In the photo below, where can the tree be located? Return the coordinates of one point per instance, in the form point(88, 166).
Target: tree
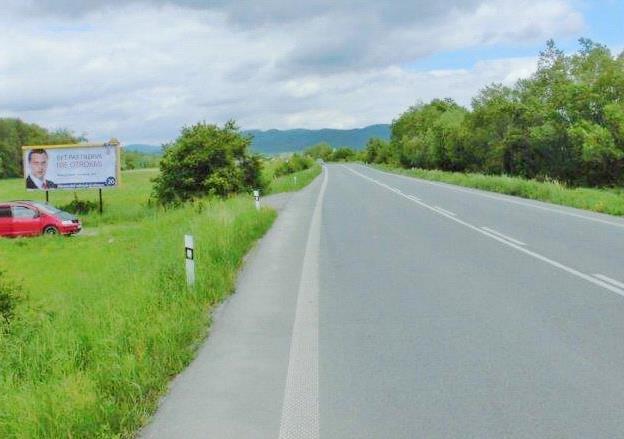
point(14, 134)
point(207, 160)
point(321, 151)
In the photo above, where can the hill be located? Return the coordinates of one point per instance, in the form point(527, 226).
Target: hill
point(144, 149)
point(279, 141)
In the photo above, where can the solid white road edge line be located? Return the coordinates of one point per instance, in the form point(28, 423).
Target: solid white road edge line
point(542, 258)
point(608, 279)
point(500, 198)
point(300, 409)
point(508, 238)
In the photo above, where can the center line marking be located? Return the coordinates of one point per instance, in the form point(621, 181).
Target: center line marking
point(501, 197)
point(572, 271)
point(448, 212)
point(608, 279)
point(508, 238)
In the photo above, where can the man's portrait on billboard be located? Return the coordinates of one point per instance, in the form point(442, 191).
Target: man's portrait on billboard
point(37, 169)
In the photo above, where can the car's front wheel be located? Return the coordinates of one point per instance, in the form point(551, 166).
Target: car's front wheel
point(50, 230)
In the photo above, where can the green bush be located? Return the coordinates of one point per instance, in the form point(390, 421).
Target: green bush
point(207, 160)
point(9, 296)
point(79, 207)
point(295, 163)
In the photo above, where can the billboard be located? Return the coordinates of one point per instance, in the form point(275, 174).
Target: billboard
point(83, 165)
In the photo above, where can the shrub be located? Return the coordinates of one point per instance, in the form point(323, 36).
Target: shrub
point(79, 207)
point(294, 164)
point(9, 296)
point(207, 160)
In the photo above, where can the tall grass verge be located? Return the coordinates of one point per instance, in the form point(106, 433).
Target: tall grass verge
point(292, 182)
point(610, 201)
point(108, 319)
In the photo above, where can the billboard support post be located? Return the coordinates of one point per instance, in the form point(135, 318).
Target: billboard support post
point(47, 197)
point(101, 208)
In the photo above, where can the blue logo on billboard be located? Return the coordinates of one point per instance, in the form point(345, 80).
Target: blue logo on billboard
point(110, 181)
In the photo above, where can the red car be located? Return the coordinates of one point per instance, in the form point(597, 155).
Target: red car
point(30, 218)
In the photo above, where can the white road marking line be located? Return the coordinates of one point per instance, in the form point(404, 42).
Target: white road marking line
point(533, 254)
point(414, 197)
point(448, 212)
point(500, 198)
point(300, 409)
point(608, 279)
point(508, 238)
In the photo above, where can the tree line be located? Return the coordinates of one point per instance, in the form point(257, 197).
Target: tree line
point(565, 122)
point(15, 133)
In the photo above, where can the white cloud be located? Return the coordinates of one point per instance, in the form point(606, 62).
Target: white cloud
point(141, 70)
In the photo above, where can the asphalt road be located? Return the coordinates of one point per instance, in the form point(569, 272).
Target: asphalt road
point(382, 306)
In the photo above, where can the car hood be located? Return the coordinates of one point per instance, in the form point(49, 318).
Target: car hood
point(66, 216)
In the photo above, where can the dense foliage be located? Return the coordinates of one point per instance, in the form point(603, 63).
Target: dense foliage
point(327, 153)
point(14, 134)
point(565, 122)
point(207, 160)
point(292, 164)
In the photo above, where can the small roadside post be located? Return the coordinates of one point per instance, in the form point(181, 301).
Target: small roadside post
point(295, 179)
point(189, 256)
point(256, 194)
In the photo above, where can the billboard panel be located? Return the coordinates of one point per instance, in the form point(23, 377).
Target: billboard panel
point(86, 165)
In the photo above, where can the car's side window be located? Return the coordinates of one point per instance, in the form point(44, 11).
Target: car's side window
point(5, 212)
point(23, 212)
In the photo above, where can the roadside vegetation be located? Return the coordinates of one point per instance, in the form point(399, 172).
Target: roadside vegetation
point(289, 173)
point(564, 123)
point(609, 201)
point(557, 136)
point(93, 327)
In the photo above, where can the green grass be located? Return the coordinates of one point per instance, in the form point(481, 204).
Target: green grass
point(107, 319)
point(610, 201)
point(292, 182)
point(130, 202)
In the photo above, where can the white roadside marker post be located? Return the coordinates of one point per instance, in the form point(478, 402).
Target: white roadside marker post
point(189, 256)
point(256, 194)
point(295, 179)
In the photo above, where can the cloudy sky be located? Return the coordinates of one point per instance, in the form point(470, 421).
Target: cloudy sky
point(139, 70)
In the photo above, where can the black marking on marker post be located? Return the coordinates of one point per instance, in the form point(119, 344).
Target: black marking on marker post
point(189, 253)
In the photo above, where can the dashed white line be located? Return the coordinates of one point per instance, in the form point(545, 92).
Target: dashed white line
point(508, 238)
point(448, 212)
point(608, 279)
point(587, 277)
point(501, 198)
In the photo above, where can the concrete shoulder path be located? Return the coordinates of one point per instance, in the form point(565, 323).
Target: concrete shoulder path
point(235, 386)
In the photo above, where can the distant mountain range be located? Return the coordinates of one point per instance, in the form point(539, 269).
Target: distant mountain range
point(280, 141)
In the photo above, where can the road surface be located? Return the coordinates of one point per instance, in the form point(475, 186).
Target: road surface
point(381, 306)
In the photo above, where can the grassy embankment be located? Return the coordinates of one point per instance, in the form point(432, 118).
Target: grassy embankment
point(290, 182)
point(106, 319)
point(609, 201)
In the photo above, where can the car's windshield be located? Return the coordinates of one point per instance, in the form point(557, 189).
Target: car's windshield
point(47, 208)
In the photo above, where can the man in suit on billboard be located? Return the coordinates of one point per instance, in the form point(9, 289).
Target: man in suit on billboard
point(38, 166)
